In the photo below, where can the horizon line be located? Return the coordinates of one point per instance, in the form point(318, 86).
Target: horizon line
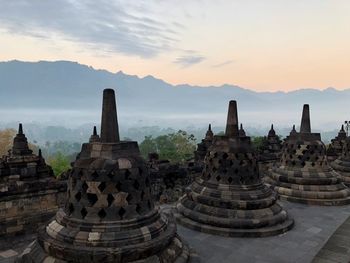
point(177, 85)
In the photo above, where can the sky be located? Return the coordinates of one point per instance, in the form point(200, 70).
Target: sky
point(264, 45)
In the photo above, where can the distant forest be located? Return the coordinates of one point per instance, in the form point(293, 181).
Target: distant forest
point(60, 145)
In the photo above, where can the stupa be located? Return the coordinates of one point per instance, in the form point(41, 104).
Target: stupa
point(303, 174)
point(229, 198)
point(109, 214)
point(336, 146)
point(342, 164)
point(241, 131)
point(29, 192)
point(203, 146)
point(270, 151)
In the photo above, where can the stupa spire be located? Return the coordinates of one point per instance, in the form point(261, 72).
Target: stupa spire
point(305, 126)
point(232, 120)
point(241, 131)
point(209, 134)
point(20, 129)
point(94, 137)
point(109, 122)
point(20, 143)
point(272, 131)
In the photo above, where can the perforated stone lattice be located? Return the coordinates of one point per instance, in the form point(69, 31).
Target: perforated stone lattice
point(119, 194)
point(346, 150)
point(304, 154)
point(230, 168)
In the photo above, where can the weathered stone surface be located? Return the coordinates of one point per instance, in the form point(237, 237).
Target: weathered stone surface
point(270, 152)
point(342, 164)
point(229, 198)
point(29, 193)
point(109, 215)
point(335, 149)
point(168, 180)
point(303, 174)
point(203, 147)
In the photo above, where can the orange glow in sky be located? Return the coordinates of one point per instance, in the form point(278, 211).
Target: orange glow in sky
point(261, 45)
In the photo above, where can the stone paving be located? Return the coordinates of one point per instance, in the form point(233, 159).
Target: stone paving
point(314, 225)
point(337, 248)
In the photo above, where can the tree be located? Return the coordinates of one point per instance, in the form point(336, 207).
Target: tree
point(148, 146)
point(6, 140)
point(258, 142)
point(175, 147)
point(59, 163)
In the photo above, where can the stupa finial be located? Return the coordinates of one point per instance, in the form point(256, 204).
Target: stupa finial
point(305, 126)
point(232, 120)
point(109, 123)
point(20, 129)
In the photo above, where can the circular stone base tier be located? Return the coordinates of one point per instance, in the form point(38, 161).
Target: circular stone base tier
point(34, 253)
point(234, 211)
point(229, 232)
point(151, 238)
point(309, 187)
point(342, 167)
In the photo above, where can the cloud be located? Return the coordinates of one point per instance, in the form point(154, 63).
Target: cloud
point(113, 26)
point(228, 62)
point(189, 60)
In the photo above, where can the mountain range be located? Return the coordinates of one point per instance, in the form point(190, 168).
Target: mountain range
point(72, 91)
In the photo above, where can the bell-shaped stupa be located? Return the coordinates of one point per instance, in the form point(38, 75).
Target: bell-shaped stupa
point(203, 146)
point(303, 174)
point(109, 214)
point(229, 198)
point(270, 150)
point(342, 164)
point(335, 148)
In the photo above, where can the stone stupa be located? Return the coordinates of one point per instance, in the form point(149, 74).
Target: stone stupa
point(270, 151)
point(29, 192)
point(109, 214)
point(203, 146)
point(342, 164)
point(303, 174)
point(335, 148)
point(229, 198)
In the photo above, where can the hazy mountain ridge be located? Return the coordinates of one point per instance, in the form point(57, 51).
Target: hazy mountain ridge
point(65, 85)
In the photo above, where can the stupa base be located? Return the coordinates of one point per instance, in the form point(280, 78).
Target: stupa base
point(235, 232)
point(321, 202)
point(323, 189)
point(35, 253)
point(343, 169)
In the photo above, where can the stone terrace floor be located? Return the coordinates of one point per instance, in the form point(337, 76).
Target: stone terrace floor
point(314, 225)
